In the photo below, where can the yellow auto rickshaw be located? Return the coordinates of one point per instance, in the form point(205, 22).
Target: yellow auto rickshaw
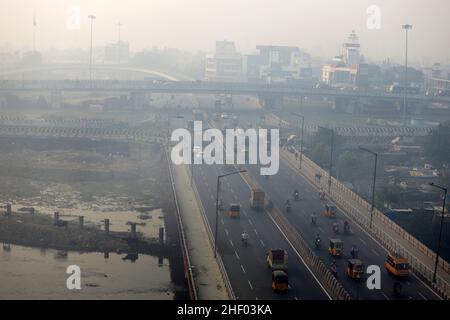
point(235, 210)
point(355, 269)
point(330, 211)
point(280, 281)
point(397, 265)
point(336, 247)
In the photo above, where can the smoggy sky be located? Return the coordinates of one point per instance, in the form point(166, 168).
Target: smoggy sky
point(319, 26)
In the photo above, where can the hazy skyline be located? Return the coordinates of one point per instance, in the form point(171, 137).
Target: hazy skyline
point(318, 26)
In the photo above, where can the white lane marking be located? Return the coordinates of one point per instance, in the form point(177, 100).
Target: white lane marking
point(260, 240)
point(232, 244)
point(244, 212)
point(363, 241)
point(221, 220)
point(423, 297)
point(374, 252)
point(250, 284)
point(232, 191)
point(250, 221)
point(237, 256)
point(226, 231)
point(212, 198)
point(256, 232)
point(320, 229)
point(387, 298)
point(235, 197)
point(242, 267)
point(301, 258)
point(296, 298)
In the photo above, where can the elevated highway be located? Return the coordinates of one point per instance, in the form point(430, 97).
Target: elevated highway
point(264, 91)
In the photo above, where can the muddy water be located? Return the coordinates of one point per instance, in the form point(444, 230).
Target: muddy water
point(29, 273)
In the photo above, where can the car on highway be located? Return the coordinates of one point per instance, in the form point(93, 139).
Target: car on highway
point(235, 210)
point(397, 265)
point(280, 281)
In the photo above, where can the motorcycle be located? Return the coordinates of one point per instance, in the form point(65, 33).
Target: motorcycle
point(244, 239)
point(287, 206)
point(318, 244)
point(346, 227)
point(335, 228)
point(313, 219)
point(296, 196)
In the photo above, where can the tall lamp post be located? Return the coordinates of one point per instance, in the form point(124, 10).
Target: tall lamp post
point(217, 205)
point(405, 27)
point(119, 26)
point(92, 18)
point(440, 228)
point(330, 170)
point(373, 183)
point(301, 141)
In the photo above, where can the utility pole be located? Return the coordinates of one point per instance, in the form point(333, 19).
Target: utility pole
point(301, 132)
point(330, 170)
point(92, 18)
point(373, 183)
point(405, 27)
point(119, 26)
point(331, 162)
point(440, 229)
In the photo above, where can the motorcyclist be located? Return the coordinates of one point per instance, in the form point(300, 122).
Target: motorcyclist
point(346, 226)
point(321, 193)
point(397, 288)
point(354, 252)
point(244, 237)
point(318, 241)
point(335, 227)
point(296, 194)
point(313, 218)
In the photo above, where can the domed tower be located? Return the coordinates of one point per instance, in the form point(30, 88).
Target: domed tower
point(351, 50)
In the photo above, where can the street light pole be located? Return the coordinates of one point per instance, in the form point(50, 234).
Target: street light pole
point(301, 140)
point(440, 229)
point(373, 183)
point(405, 27)
point(217, 206)
point(330, 170)
point(119, 26)
point(92, 18)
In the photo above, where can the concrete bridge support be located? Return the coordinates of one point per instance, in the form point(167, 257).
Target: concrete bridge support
point(269, 101)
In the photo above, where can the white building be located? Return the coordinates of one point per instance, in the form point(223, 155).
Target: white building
point(225, 64)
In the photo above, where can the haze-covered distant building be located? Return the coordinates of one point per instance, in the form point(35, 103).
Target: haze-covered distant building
point(278, 64)
point(225, 64)
point(118, 52)
point(347, 69)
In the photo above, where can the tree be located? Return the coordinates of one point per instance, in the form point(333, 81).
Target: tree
point(437, 145)
point(352, 164)
point(320, 154)
point(388, 194)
